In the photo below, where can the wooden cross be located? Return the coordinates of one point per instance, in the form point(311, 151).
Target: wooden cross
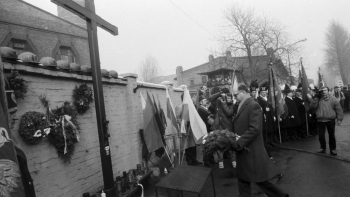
point(92, 21)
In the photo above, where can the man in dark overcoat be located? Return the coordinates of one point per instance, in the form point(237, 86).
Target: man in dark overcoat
point(292, 113)
point(253, 163)
point(299, 102)
point(268, 116)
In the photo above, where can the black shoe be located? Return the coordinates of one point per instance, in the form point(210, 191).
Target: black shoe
point(321, 151)
point(207, 164)
point(333, 152)
point(196, 163)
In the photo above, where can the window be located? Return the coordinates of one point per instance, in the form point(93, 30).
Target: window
point(192, 82)
point(19, 46)
point(204, 79)
point(66, 53)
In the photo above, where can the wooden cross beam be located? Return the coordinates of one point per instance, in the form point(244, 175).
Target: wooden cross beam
point(87, 14)
point(92, 21)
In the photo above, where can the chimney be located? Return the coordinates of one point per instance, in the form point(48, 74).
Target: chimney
point(72, 17)
point(211, 58)
point(228, 54)
point(179, 69)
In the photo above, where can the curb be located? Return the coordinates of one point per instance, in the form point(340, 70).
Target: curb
point(314, 153)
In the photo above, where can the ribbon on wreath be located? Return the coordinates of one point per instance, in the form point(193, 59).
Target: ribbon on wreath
point(64, 136)
point(68, 118)
point(75, 130)
point(141, 189)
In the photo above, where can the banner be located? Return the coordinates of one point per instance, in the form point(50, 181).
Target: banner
point(10, 175)
point(275, 94)
point(151, 131)
point(189, 113)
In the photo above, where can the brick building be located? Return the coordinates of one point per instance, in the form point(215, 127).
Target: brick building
point(225, 65)
point(25, 27)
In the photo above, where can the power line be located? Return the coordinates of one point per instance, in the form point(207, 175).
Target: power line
point(190, 17)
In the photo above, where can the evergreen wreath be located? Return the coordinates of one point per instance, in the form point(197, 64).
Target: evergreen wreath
point(64, 128)
point(17, 84)
point(66, 139)
point(218, 140)
point(83, 96)
point(33, 127)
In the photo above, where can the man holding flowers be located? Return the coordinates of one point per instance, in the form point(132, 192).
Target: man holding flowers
point(253, 162)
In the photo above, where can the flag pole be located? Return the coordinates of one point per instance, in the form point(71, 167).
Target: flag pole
point(303, 72)
point(274, 95)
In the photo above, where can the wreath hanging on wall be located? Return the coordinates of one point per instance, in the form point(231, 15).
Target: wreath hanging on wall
point(64, 126)
point(33, 127)
point(17, 84)
point(82, 98)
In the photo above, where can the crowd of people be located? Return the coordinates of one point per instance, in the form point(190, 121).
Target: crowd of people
point(250, 114)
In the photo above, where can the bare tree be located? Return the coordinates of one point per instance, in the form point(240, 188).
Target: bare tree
point(246, 33)
point(239, 32)
point(337, 50)
point(148, 69)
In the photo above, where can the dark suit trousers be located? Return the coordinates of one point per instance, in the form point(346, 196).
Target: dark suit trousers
point(321, 128)
point(268, 188)
point(191, 155)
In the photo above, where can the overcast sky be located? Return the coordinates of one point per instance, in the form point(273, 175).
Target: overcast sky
point(183, 32)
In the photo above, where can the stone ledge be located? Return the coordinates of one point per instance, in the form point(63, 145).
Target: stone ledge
point(59, 73)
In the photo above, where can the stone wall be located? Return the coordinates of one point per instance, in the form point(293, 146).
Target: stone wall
point(53, 177)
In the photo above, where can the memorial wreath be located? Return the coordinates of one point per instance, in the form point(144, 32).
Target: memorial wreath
point(33, 127)
point(82, 98)
point(17, 84)
point(218, 140)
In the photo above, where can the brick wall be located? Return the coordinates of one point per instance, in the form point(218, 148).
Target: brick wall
point(51, 176)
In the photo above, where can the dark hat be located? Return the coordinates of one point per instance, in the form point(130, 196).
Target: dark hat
point(264, 86)
point(286, 89)
point(201, 98)
point(345, 88)
point(297, 90)
point(254, 86)
point(336, 87)
point(300, 85)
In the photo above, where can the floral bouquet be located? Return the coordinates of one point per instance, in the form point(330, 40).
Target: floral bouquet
point(219, 140)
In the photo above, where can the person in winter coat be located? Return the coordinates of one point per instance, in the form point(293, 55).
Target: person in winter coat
point(253, 162)
point(328, 110)
point(292, 113)
point(299, 102)
point(339, 95)
point(311, 115)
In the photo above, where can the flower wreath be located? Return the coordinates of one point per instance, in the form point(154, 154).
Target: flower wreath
point(33, 127)
point(64, 128)
point(17, 84)
point(82, 98)
point(218, 140)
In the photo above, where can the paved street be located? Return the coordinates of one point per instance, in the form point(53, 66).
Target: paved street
point(305, 172)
